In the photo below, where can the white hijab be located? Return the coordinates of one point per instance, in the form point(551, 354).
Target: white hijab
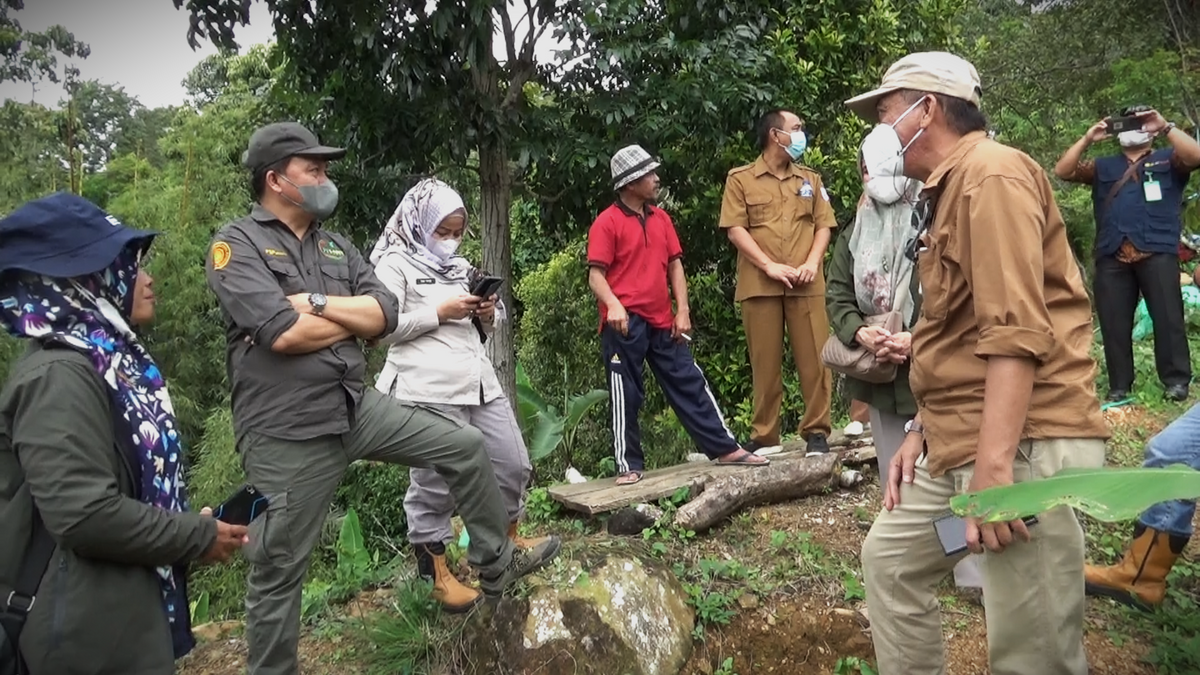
point(882, 273)
point(410, 229)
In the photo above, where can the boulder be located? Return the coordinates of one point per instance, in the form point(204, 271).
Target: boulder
point(613, 616)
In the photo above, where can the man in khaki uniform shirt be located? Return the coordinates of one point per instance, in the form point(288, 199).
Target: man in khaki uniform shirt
point(1004, 383)
point(777, 213)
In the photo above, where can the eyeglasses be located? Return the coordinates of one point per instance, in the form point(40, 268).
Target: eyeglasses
point(922, 220)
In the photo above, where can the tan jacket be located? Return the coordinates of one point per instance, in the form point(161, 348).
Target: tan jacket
point(429, 362)
point(999, 279)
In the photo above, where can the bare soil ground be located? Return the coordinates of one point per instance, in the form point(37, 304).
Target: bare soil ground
point(797, 628)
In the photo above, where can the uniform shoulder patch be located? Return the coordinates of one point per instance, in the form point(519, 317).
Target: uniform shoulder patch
point(221, 253)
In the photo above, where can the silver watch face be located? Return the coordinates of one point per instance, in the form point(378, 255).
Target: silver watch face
point(317, 300)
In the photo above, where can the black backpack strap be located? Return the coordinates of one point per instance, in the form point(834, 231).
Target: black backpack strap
point(21, 599)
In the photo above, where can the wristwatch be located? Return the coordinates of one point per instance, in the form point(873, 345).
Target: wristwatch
point(912, 427)
point(1167, 129)
point(318, 302)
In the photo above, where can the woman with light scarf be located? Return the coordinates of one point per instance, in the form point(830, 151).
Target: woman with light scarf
point(90, 451)
point(437, 358)
point(870, 274)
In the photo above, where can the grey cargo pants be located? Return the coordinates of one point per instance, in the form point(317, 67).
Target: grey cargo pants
point(300, 478)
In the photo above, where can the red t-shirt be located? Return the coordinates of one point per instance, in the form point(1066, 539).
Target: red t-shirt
point(634, 249)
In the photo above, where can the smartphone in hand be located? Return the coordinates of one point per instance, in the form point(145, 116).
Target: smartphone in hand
point(952, 532)
point(242, 507)
point(485, 286)
point(1116, 125)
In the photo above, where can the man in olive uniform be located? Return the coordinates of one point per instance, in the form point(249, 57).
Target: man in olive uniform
point(296, 300)
point(777, 213)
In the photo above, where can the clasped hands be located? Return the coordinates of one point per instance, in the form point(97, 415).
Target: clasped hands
point(888, 347)
point(791, 276)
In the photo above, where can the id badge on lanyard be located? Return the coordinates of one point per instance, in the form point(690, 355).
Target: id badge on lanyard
point(1152, 189)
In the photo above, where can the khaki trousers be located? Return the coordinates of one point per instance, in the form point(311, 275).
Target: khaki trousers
point(1033, 591)
point(764, 319)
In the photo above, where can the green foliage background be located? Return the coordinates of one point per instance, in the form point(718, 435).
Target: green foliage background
point(686, 80)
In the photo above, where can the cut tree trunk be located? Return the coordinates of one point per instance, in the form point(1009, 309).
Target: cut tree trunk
point(781, 481)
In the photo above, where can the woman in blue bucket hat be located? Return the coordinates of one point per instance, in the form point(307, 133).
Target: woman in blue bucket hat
point(94, 517)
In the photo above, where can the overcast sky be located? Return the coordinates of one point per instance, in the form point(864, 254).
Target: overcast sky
point(138, 44)
point(142, 46)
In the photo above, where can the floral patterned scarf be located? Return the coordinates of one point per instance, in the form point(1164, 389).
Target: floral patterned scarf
point(87, 314)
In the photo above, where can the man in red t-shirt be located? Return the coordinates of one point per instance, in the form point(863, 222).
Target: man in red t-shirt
point(632, 252)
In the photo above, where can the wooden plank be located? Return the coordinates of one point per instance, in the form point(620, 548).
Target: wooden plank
point(603, 494)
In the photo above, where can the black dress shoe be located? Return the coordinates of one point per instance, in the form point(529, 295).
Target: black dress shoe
point(817, 443)
point(1115, 395)
point(1177, 392)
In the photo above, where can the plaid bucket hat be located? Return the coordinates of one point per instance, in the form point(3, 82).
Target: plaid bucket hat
point(629, 164)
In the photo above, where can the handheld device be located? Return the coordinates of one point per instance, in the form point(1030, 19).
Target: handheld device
point(952, 532)
point(485, 286)
point(1116, 125)
point(242, 507)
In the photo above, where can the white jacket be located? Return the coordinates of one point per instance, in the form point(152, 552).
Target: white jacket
point(429, 362)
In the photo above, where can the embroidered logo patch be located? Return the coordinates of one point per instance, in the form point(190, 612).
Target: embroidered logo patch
point(806, 190)
point(221, 255)
point(615, 360)
point(276, 253)
point(824, 194)
point(331, 250)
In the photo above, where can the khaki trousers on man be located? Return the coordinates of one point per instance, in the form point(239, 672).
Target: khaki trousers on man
point(300, 479)
point(1033, 591)
point(764, 319)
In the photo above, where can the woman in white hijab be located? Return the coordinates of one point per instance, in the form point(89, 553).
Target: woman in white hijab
point(869, 274)
point(436, 358)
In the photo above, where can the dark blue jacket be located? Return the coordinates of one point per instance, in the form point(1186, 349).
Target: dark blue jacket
point(1152, 227)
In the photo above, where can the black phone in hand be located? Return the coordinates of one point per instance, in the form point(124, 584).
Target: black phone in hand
point(1117, 125)
point(242, 507)
point(486, 286)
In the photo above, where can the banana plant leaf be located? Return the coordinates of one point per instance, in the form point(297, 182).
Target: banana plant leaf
point(580, 405)
point(547, 433)
point(1107, 494)
point(529, 403)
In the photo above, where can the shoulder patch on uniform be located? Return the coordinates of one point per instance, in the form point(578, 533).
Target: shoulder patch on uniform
point(739, 169)
point(824, 193)
point(221, 254)
point(331, 250)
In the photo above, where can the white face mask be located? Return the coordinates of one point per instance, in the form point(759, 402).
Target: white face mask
point(1132, 139)
point(882, 151)
point(887, 190)
point(444, 249)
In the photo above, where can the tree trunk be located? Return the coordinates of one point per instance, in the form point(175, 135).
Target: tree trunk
point(743, 487)
point(495, 206)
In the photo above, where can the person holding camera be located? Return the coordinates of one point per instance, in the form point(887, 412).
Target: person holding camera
point(633, 253)
point(94, 515)
point(436, 359)
point(1137, 200)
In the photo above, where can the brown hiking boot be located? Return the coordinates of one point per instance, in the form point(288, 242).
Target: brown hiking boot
point(431, 566)
point(1140, 579)
point(523, 543)
point(523, 562)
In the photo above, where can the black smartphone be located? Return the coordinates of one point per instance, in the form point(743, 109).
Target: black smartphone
point(242, 507)
point(1116, 125)
point(952, 532)
point(485, 286)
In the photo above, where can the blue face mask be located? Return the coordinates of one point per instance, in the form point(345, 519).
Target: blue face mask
point(798, 145)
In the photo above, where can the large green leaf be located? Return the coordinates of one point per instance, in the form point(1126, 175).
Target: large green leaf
point(1108, 494)
point(579, 406)
point(546, 437)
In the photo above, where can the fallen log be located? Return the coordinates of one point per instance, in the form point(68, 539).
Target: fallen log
point(784, 479)
point(858, 456)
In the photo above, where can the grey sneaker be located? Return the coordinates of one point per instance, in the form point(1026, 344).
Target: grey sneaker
point(523, 562)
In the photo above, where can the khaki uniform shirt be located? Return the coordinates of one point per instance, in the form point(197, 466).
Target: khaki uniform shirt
point(782, 214)
point(999, 279)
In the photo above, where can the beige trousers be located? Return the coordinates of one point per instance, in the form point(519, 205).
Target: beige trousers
point(1034, 590)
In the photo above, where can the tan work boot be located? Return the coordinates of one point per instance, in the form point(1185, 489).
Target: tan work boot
point(431, 566)
point(523, 543)
point(1140, 579)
